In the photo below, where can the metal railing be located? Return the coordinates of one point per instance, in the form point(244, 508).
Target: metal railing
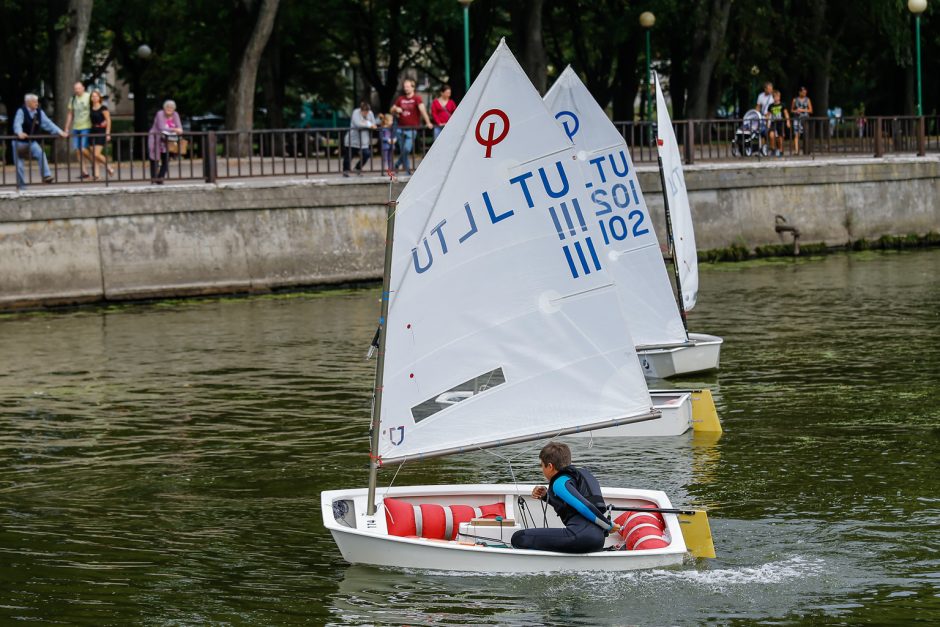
point(217, 155)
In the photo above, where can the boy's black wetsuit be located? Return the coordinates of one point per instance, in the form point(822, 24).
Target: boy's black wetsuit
point(575, 495)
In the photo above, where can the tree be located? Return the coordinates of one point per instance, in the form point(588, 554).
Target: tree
point(240, 104)
point(711, 16)
point(530, 50)
point(71, 38)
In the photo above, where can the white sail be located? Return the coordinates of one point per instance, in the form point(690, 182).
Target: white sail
point(619, 207)
point(683, 232)
point(503, 322)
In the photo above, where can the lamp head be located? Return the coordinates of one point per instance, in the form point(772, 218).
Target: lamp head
point(916, 6)
point(647, 19)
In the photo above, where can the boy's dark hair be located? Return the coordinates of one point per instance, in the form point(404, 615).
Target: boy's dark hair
point(557, 454)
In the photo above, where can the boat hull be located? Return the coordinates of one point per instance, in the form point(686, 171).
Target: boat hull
point(364, 539)
point(702, 354)
point(676, 419)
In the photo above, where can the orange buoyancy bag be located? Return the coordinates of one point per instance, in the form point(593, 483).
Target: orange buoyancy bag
point(643, 530)
point(432, 521)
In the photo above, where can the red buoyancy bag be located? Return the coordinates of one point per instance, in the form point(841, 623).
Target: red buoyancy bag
point(643, 530)
point(432, 521)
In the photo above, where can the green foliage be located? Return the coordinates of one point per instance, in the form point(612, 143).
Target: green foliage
point(861, 53)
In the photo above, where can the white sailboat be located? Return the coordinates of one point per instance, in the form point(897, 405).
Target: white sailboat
point(656, 318)
point(705, 352)
point(494, 285)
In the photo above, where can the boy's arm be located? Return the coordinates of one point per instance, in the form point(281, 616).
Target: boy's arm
point(564, 488)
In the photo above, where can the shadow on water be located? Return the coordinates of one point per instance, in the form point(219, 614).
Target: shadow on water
point(162, 463)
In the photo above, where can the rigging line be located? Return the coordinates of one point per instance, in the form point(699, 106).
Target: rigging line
point(392, 482)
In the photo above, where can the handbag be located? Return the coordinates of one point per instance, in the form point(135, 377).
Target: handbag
point(179, 147)
point(23, 149)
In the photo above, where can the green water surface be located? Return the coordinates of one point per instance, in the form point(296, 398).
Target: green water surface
point(162, 464)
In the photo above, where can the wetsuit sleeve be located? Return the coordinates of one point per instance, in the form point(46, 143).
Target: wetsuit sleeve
point(564, 488)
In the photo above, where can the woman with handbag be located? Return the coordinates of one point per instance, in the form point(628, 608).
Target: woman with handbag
point(166, 129)
point(100, 133)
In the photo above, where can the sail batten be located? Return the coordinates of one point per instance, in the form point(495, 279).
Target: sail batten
point(502, 324)
point(628, 236)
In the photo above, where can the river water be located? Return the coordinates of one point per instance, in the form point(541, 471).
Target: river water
point(162, 463)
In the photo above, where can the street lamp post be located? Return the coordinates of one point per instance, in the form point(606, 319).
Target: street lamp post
point(466, 39)
point(917, 7)
point(647, 20)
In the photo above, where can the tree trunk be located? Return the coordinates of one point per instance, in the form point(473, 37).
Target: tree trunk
point(240, 103)
point(70, 50)
point(708, 45)
point(821, 68)
point(626, 82)
point(527, 22)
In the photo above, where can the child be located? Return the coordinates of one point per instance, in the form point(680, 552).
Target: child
point(575, 495)
point(388, 139)
point(779, 123)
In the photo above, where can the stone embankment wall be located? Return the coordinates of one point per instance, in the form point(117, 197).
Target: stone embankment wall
point(67, 246)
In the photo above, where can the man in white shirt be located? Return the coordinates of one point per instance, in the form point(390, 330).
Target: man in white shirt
point(765, 98)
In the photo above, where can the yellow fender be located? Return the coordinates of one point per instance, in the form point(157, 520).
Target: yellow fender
point(704, 414)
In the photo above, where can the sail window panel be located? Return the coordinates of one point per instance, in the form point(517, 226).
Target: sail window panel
point(471, 387)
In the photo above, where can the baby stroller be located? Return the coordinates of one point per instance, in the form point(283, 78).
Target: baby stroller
point(749, 138)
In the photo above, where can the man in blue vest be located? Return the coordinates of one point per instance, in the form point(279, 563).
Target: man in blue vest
point(27, 124)
point(575, 495)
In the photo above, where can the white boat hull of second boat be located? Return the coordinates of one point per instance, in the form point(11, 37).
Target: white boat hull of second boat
point(701, 355)
point(676, 419)
point(364, 539)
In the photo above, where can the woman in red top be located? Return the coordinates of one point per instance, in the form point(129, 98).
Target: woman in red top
point(441, 109)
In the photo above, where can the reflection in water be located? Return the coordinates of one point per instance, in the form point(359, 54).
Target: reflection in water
point(165, 461)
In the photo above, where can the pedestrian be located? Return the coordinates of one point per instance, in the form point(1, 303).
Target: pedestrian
point(359, 137)
point(166, 128)
point(802, 108)
point(388, 139)
point(100, 133)
point(27, 124)
point(441, 109)
point(779, 119)
point(78, 121)
point(765, 98)
point(410, 110)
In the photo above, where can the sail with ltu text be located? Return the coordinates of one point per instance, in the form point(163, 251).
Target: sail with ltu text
point(683, 232)
point(617, 205)
point(503, 321)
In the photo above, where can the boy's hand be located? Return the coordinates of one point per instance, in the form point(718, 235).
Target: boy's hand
point(539, 491)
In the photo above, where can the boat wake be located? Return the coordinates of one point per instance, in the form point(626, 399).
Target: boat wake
point(718, 579)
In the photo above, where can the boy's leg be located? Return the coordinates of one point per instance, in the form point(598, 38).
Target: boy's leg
point(577, 537)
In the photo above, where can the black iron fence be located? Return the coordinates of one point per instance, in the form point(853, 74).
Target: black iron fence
point(212, 156)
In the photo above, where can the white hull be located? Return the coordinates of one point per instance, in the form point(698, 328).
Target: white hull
point(364, 539)
point(702, 354)
point(676, 408)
